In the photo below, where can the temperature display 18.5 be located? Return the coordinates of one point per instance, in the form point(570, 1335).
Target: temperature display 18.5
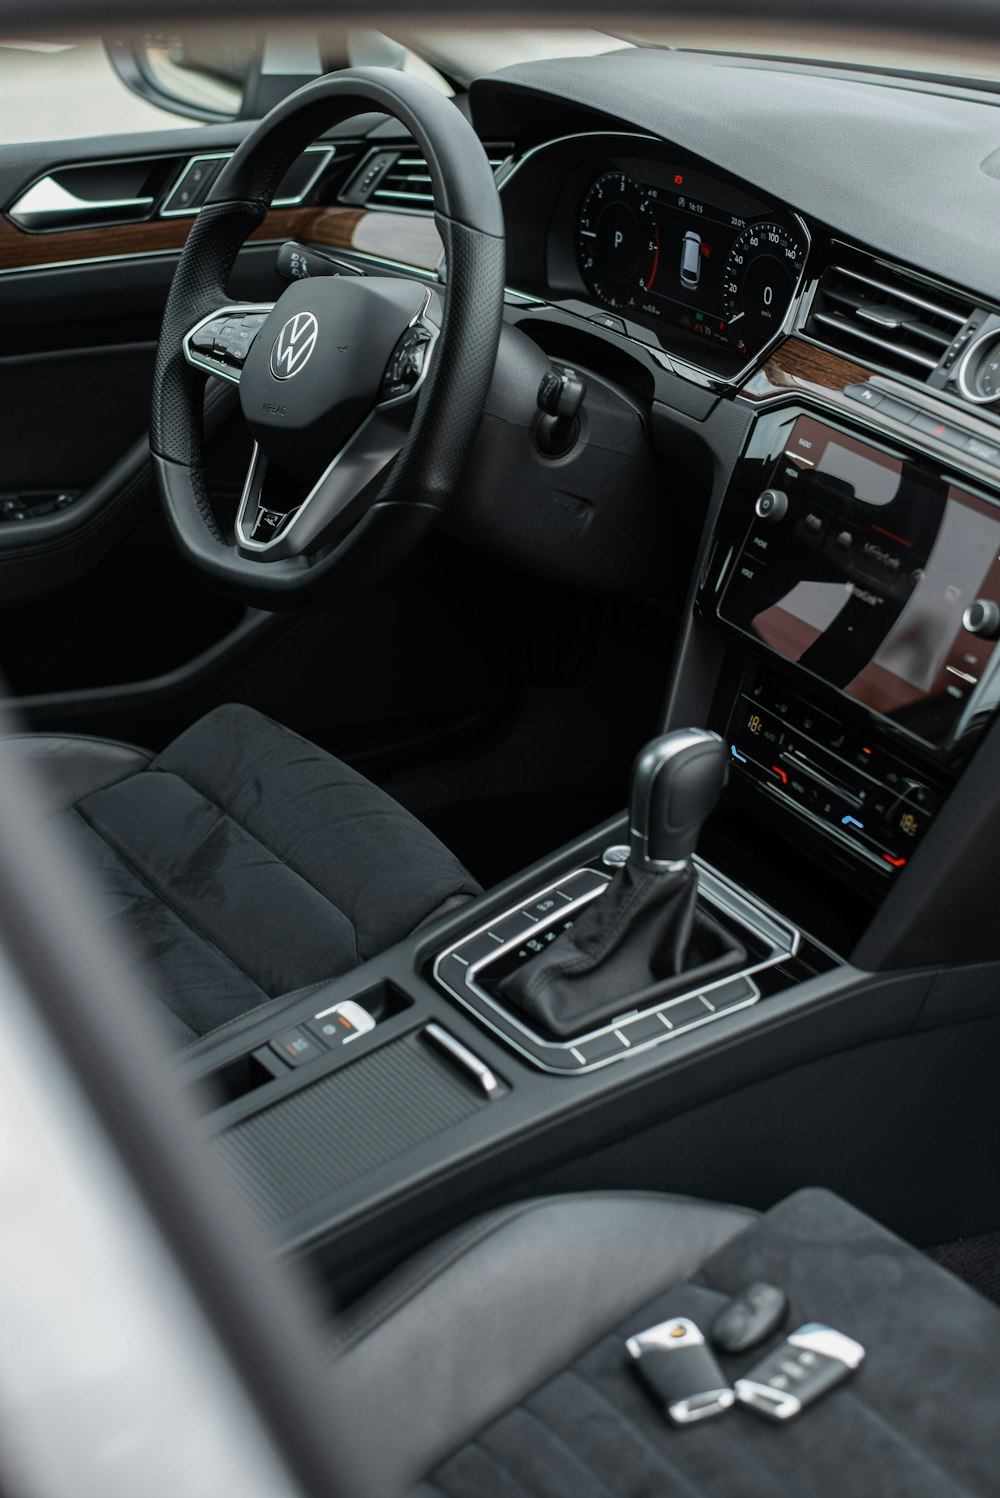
point(658, 253)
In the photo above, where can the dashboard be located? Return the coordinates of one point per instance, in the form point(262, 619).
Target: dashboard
point(853, 569)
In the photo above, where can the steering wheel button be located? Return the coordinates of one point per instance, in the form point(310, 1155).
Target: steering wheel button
point(269, 523)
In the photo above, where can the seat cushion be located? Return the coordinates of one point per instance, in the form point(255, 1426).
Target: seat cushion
point(66, 767)
point(243, 862)
point(472, 1325)
point(528, 1315)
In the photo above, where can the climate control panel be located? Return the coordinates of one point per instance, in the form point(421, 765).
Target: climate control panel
point(831, 773)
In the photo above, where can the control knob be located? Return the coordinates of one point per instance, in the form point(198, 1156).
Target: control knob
point(772, 506)
point(982, 618)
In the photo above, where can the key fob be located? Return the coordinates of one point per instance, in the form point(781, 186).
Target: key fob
point(750, 1317)
point(807, 1365)
point(680, 1371)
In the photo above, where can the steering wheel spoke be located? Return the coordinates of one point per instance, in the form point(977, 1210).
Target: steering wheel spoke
point(219, 343)
point(275, 522)
point(271, 526)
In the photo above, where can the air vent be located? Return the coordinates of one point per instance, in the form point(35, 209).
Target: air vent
point(872, 311)
point(407, 182)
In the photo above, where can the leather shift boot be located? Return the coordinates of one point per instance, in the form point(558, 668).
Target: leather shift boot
point(643, 933)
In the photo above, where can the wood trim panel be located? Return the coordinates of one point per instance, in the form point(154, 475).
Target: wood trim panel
point(402, 237)
point(800, 367)
point(392, 236)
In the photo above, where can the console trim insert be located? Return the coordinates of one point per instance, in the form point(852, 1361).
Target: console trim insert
point(457, 975)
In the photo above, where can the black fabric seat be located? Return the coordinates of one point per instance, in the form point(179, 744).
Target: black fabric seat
point(242, 862)
point(494, 1364)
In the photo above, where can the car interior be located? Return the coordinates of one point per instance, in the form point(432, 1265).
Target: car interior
point(502, 591)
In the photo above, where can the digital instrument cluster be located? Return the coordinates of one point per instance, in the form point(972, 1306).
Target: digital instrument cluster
point(691, 252)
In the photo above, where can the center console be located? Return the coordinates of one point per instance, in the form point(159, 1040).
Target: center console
point(850, 598)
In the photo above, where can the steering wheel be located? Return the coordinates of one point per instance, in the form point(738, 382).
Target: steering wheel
point(362, 393)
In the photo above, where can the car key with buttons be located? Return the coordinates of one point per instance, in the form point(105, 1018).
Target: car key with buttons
point(807, 1365)
point(680, 1371)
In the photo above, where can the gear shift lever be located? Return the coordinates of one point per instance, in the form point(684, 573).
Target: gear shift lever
point(638, 935)
point(676, 781)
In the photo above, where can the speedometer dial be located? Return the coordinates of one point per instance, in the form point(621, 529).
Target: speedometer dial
point(761, 275)
point(617, 240)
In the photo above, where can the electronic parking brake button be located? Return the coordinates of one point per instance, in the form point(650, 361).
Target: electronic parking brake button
point(341, 1023)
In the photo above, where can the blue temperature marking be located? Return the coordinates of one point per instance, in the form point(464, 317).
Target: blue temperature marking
point(852, 822)
point(737, 755)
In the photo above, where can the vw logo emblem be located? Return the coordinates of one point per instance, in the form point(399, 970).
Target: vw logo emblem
point(294, 345)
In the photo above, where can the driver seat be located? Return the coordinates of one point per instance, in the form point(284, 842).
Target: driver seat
point(242, 862)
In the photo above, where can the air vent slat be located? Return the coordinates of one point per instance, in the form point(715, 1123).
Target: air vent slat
point(407, 183)
point(396, 192)
point(902, 294)
point(832, 320)
point(863, 305)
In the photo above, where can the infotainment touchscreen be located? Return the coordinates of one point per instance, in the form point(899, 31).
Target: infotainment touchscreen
point(865, 576)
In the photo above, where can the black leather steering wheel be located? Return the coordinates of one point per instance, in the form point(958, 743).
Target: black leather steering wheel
point(362, 393)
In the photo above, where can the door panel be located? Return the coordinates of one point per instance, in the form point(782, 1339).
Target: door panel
point(70, 414)
point(103, 628)
point(89, 579)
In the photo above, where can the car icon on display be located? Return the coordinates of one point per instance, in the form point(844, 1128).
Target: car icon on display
point(691, 260)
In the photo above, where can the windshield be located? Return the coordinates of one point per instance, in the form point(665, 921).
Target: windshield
point(908, 52)
point(466, 54)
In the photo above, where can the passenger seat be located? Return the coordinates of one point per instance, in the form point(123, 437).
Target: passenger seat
point(494, 1364)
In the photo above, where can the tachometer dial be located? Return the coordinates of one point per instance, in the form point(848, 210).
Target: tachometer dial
point(761, 275)
point(618, 241)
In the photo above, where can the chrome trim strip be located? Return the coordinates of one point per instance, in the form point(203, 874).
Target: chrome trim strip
point(327, 152)
point(192, 161)
point(843, 270)
point(892, 268)
point(843, 324)
point(778, 1404)
point(962, 379)
point(783, 939)
point(46, 198)
point(484, 1079)
point(198, 360)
